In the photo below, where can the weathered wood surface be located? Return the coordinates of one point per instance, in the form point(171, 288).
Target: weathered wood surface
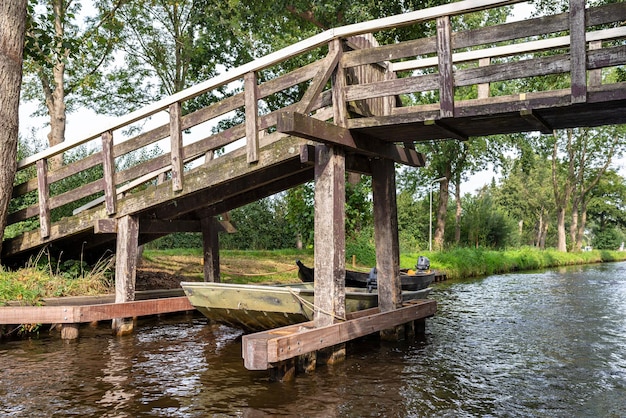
point(314, 129)
point(262, 350)
point(89, 313)
point(329, 284)
point(364, 83)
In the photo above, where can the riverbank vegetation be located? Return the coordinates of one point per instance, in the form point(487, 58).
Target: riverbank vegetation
point(44, 279)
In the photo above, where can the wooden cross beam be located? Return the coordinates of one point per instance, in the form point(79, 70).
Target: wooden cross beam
point(263, 349)
point(297, 124)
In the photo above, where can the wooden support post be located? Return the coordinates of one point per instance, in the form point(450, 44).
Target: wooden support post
point(386, 240)
point(578, 50)
point(330, 249)
point(69, 331)
point(285, 371)
point(176, 140)
point(483, 89)
point(108, 168)
point(43, 188)
point(252, 116)
point(125, 268)
point(446, 75)
point(211, 250)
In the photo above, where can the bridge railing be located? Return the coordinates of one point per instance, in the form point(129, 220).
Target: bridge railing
point(440, 53)
point(579, 44)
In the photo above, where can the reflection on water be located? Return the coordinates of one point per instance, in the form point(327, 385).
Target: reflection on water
point(538, 344)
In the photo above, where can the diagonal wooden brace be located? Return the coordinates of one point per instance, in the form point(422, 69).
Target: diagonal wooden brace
point(297, 124)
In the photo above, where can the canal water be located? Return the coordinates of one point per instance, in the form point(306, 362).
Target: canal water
point(546, 344)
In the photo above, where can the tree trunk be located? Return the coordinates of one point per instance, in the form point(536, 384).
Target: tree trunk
point(543, 234)
point(441, 214)
point(12, 27)
point(562, 188)
point(55, 93)
point(581, 228)
point(573, 228)
point(457, 217)
point(561, 241)
point(539, 229)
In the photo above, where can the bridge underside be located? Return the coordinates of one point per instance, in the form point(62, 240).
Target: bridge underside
point(504, 115)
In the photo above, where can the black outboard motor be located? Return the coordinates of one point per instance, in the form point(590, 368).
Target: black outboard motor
point(372, 283)
point(423, 263)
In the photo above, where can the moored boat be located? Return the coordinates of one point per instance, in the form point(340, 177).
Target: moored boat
point(411, 279)
point(260, 307)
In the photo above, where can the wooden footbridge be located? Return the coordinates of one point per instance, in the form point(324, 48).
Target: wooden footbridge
point(362, 108)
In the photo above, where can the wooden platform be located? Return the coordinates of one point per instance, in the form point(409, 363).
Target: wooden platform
point(75, 314)
point(263, 350)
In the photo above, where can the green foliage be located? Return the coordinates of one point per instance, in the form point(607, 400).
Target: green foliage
point(47, 277)
point(608, 239)
point(260, 226)
point(299, 212)
point(412, 222)
point(55, 37)
point(485, 225)
point(362, 246)
point(358, 206)
point(181, 240)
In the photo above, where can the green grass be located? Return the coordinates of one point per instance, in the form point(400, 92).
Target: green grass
point(466, 262)
point(236, 266)
point(32, 283)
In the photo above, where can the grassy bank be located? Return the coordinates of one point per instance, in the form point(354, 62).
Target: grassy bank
point(276, 266)
point(465, 262)
point(34, 283)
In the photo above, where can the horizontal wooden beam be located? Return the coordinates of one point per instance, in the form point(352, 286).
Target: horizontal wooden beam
point(90, 313)
point(453, 133)
point(261, 350)
point(536, 121)
point(158, 226)
point(354, 163)
point(310, 128)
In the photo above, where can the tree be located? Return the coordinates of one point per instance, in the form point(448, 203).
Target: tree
point(12, 29)
point(580, 157)
point(64, 59)
point(484, 224)
point(526, 194)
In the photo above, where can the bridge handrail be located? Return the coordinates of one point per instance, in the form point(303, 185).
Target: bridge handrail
point(308, 44)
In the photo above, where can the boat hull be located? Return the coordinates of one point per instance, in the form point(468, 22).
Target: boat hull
point(416, 281)
point(258, 307)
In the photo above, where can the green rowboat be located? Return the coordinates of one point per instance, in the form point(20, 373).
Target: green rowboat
point(259, 307)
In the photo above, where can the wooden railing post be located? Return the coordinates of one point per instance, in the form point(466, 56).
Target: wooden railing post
point(108, 167)
point(483, 89)
point(252, 116)
point(43, 188)
point(446, 76)
point(176, 139)
point(595, 76)
point(578, 50)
